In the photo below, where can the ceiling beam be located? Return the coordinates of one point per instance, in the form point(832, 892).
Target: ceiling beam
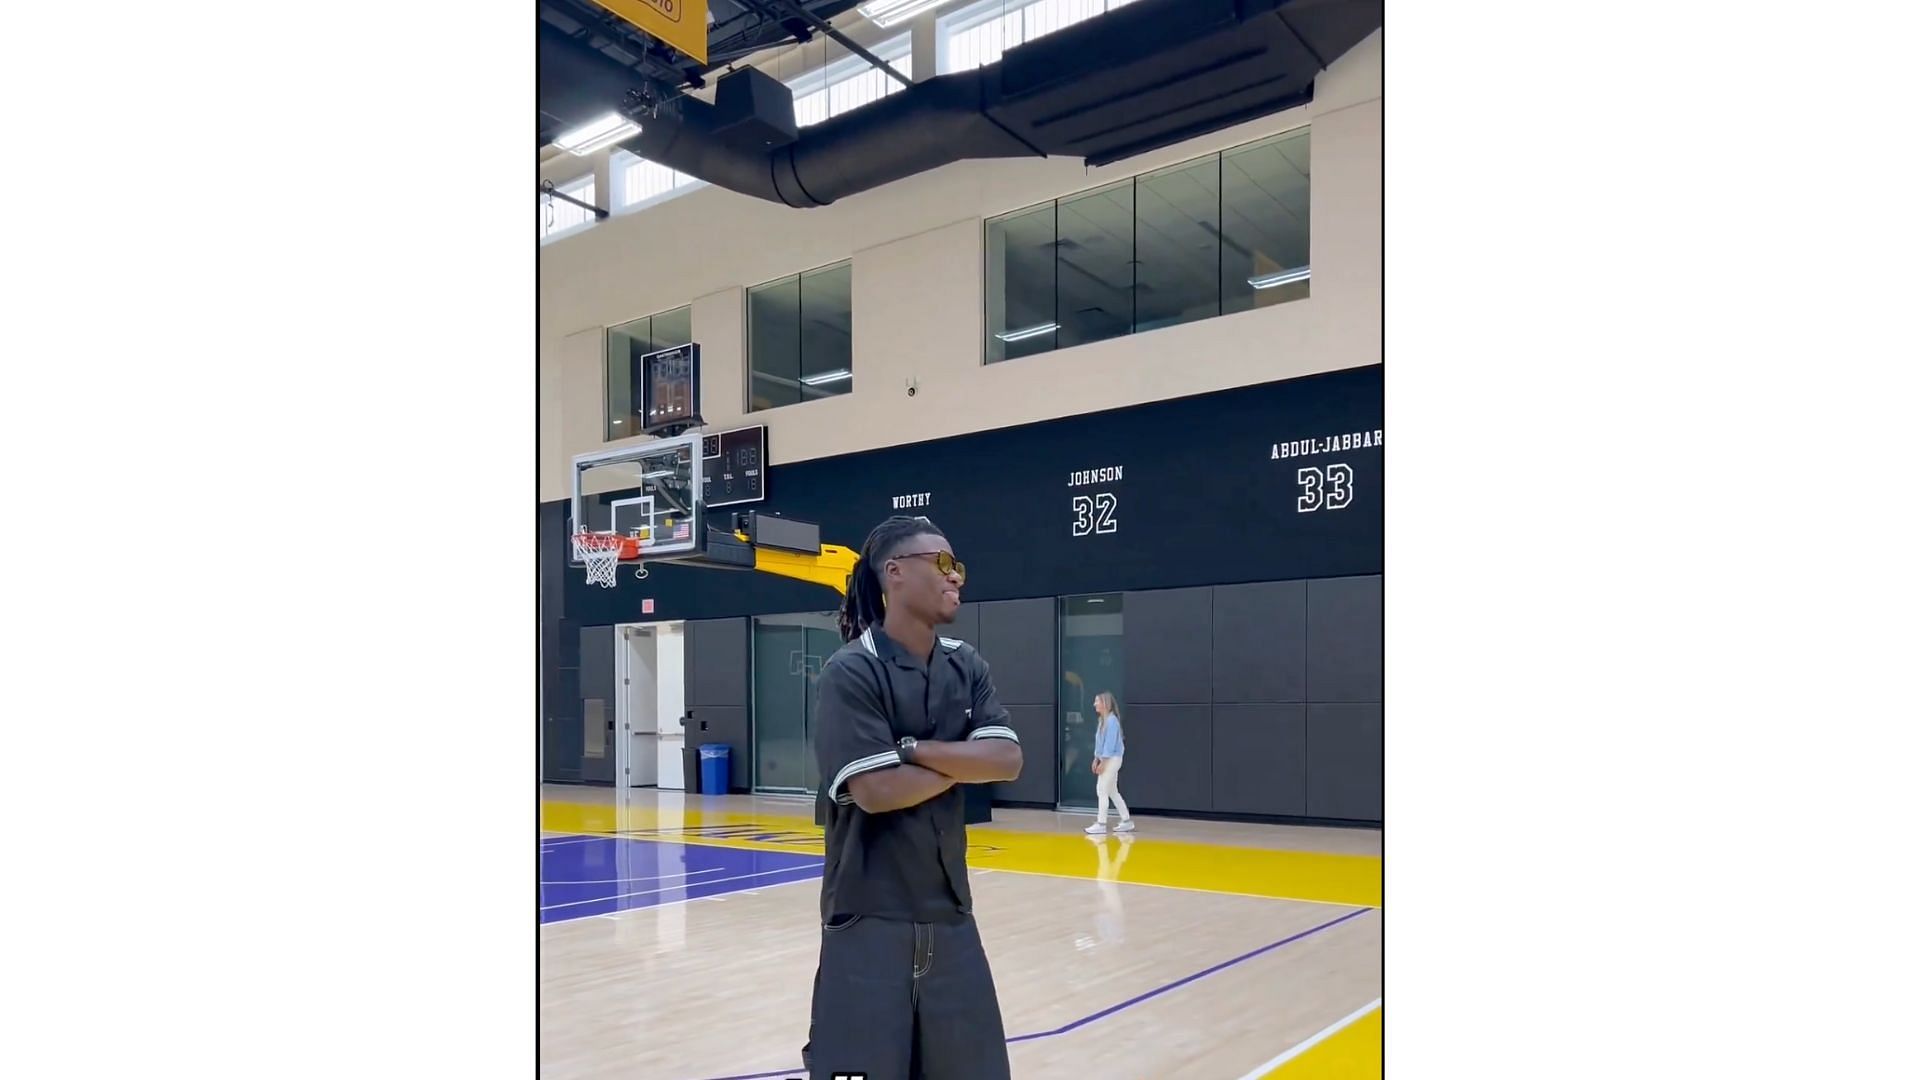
point(826, 28)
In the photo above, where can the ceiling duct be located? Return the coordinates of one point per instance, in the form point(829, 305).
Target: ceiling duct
point(1147, 75)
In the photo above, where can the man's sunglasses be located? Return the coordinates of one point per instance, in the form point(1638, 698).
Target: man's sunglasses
point(943, 561)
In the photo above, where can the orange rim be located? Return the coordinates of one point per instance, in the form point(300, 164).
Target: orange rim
point(629, 546)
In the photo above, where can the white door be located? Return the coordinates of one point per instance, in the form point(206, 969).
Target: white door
point(639, 707)
point(670, 673)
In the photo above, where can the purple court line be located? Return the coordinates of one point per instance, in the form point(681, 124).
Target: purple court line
point(785, 1074)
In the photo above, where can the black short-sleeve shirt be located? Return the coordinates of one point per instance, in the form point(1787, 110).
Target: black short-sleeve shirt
point(908, 864)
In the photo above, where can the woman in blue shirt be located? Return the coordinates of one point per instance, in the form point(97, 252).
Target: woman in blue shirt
point(1109, 746)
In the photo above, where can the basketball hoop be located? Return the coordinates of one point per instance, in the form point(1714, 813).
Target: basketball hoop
point(602, 553)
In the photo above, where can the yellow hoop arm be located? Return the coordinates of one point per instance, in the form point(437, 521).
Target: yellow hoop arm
point(829, 568)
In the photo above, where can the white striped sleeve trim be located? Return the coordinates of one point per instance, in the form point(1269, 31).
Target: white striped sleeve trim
point(855, 768)
point(992, 731)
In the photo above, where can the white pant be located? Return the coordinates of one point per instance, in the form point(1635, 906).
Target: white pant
point(1108, 788)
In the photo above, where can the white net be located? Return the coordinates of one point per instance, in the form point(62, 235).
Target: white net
point(601, 554)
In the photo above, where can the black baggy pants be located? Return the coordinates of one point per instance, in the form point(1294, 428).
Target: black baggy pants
point(899, 1000)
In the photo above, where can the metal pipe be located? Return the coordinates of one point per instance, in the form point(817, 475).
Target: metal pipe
point(547, 188)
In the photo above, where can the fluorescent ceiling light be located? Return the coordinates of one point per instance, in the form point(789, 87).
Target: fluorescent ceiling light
point(1011, 336)
point(895, 12)
point(588, 137)
point(825, 377)
point(1281, 277)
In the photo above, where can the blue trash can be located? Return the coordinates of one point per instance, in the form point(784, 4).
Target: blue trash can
point(713, 768)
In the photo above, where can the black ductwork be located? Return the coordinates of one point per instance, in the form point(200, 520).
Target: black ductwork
point(1148, 75)
point(930, 125)
point(578, 83)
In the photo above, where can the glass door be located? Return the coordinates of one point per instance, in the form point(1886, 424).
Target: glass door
point(788, 651)
point(1091, 661)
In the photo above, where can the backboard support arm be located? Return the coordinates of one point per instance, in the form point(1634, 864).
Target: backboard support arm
point(793, 552)
point(830, 568)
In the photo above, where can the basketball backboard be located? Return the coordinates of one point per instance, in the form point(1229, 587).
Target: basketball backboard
point(651, 492)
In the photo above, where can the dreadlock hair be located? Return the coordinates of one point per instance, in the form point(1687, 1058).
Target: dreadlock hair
point(866, 602)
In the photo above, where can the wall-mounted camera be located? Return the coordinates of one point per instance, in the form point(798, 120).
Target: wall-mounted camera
point(913, 387)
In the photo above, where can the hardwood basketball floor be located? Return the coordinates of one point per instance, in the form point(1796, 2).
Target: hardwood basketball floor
point(1187, 949)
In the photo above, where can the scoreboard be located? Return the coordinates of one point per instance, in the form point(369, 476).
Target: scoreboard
point(733, 467)
point(666, 389)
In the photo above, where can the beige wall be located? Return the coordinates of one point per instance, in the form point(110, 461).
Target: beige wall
point(917, 250)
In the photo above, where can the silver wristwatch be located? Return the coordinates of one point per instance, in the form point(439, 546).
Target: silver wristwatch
point(907, 743)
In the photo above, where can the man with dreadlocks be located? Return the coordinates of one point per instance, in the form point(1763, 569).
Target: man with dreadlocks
point(903, 991)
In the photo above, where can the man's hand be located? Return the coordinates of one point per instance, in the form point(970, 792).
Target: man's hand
point(896, 788)
point(976, 761)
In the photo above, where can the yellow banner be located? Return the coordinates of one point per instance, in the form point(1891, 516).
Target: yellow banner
point(680, 23)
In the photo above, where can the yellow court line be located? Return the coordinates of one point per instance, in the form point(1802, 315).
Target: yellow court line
point(1311, 876)
point(1158, 885)
point(1349, 1053)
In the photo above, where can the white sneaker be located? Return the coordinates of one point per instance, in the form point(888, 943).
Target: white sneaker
point(1125, 826)
point(1097, 829)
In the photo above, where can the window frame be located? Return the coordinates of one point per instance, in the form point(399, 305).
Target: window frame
point(824, 78)
point(585, 181)
point(975, 15)
point(1303, 128)
point(616, 177)
point(746, 325)
point(606, 369)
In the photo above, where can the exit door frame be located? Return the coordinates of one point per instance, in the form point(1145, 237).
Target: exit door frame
point(669, 643)
point(623, 701)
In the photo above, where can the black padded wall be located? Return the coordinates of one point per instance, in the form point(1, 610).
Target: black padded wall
point(1259, 636)
point(1260, 699)
point(1343, 646)
point(1169, 648)
point(562, 741)
point(1260, 759)
point(1345, 686)
point(718, 682)
point(597, 704)
point(1017, 639)
point(1166, 709)
point(1344, 756)
point(560, 732)
point(1169, 762)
